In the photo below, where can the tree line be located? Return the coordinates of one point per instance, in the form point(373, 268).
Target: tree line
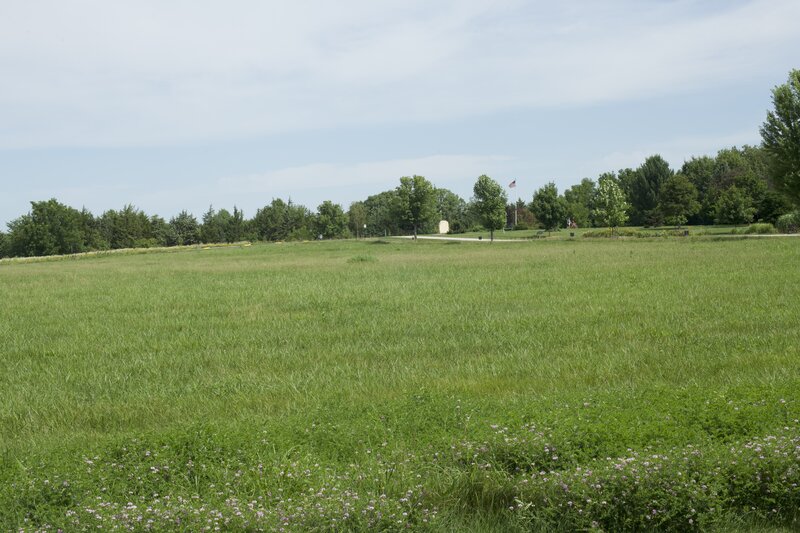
point(737, 186)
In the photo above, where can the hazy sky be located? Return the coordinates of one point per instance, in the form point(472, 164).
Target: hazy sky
point(178, 104)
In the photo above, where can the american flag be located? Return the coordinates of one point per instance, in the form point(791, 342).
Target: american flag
point(512, 184)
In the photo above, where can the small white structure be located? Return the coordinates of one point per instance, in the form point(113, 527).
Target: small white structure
point(444, 226)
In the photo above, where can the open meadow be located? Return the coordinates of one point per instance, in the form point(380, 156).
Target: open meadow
point(385, 384)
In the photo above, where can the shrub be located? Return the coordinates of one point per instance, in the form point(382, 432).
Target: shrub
point(625, 232)
point(789, 223)
point(760, 228)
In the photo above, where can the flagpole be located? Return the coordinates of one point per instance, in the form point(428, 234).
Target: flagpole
point(513, 185)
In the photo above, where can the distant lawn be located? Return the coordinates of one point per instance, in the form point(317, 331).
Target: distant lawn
point(384, 384)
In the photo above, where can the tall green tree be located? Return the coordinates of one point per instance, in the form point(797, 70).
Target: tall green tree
point(330, 222)
point(489, 202)
point(160, 230)
point(236, 227)
point(127, 228)
point(678, 200)
point(4, 252)
point(381, 219)
point(184, 229)
point(215, 225)
point(280, 221)
point(579, 201)
point(50, 228)
point(357, 218)
point(549, 208)
point(646, 188)
point(416, 203)
point(610, 204)
point(780, 135)
point(734, 206)
point(700, 172)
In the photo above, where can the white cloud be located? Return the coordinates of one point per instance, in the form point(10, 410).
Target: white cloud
point(448, 171)
point(91, 72)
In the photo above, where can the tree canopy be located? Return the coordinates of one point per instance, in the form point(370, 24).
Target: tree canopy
point(781, 136)
point(489, 202)
point(550, 209)
point(610, 206)
point(416, 203)
point(678, 200)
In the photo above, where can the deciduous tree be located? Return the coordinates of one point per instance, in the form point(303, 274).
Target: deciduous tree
point(678, 200)
point(330, 222)
point(780, 134)
point(357, 217)
point(489, 201)
point(51, 228)
point(610, 205)
point(416, 203)
point(579, 201)
point(548, 207)
point(646, 188)
point(734, 206)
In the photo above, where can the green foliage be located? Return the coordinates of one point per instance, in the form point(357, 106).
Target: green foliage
point(416, 204)
point(489, 202)
point(51, 228)
point(772, 206)
point(745, 169)
point(548, 207)
point(184, 229)
point(281, 221)
point(453, 209)
point(214, 225)
point(381, 218)
point(123, 228)
point(610, 207)
point(761, 228)
point(628, 232)
point(734, 206)
point(678, 200)
point(780, 134)
point(700, 171)
point(357, 218)
point(4, 245)
point(330, 221)
point(579, 200)
point(222, 226)
point(789, 223)
point(645, 190)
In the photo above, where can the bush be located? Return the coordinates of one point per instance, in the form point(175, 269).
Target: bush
point(789, 223)
point(626, 232)
point(761, 228)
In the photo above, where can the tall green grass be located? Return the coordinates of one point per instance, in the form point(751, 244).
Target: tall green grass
point(341, 385)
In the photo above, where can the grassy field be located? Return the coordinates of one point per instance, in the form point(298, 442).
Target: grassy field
point(387, 384)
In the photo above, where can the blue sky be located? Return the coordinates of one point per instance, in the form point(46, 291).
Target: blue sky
point(181, 104)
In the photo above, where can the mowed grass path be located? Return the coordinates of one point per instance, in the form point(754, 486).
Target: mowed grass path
point(383, 340)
